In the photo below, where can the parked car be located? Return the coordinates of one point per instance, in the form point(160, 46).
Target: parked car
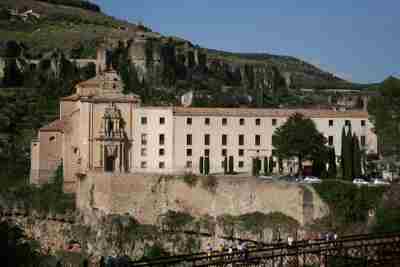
point(360, 181)
point(380, 182)
point(265, 177)
point(311, 180)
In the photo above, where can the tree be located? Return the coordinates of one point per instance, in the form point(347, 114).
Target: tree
point(298, 137)
point(271, 164)
point(206, 166)
point(266, 170)
point(349, 153)
point(384, 112)
point(343, 158)
point(332, 172)
point(231, 165)
point(356, 157)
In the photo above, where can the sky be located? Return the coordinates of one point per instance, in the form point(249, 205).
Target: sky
point(358, 40)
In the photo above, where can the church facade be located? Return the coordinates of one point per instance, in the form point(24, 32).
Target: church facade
point(102, 130)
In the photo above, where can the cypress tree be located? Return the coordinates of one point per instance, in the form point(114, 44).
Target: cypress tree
point(231, 165)
point(225, 165)
point(356, 157)
point(207, 166)
point(271, 164)
point(349, 154)
point(280, 163)
point(332, 164)
point(201, 165)
point(258, 166)
point(254, 167)
point(343, 154)
point(266, 170)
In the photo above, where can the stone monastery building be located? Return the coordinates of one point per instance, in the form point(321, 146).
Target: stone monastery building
point(102, 130)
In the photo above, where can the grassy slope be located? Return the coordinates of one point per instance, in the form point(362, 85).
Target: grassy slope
point(61, 26)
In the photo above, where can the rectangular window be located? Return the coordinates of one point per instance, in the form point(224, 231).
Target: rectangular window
point(347, 122)
point(241, 121)
point(241, 140)
point(206, 152)
point(161, 152)
point(189, 152)
point(362, 123)
point(223, 152)
point(224, 121)
point(161, 165)
point(224, 139)
point(330, 140)
point(330, 123)
point(363, 142)
point(143, 152)
point(258, 122)
point(207, 139)
point(189, 139)
point(161, 139)
point(257, 140)
point(143, 120)
point(189, 164)
point(241, 153)
point(144, 139)
point(143, 164)
point(162, 120)
point(241, 164)
point(207, 121)
point(188, 121)
point(274, 121)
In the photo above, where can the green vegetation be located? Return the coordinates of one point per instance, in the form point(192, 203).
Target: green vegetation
point(190, 179)
point(75, 3)
point(256, 222)
point(175, 220)
point(348, 203)
point(388, 212)
point(18, 250)
point(351, 155)
point(209, 183)
point(385, 114)
point(49, 198)
point(298, 137)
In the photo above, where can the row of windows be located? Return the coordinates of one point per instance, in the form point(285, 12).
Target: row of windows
point(143, 152)
point(161, 139)
point(257, 121)
point(143, 120)
point(224, 139)
point(224, 121)
point(189, 164)
point(189, 152)
point(348, 123)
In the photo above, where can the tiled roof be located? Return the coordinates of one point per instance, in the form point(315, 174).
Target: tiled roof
point(73, 97)
point(255, 112)
point(55, 126)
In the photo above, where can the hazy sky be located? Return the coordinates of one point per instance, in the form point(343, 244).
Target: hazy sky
point(358, 40)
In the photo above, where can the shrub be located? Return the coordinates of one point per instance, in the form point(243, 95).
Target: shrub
point(190, 179)
point(348, 203)
point(210, 183)
point(176, 220)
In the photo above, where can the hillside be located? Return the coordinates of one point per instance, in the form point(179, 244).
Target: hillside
point(75, 24)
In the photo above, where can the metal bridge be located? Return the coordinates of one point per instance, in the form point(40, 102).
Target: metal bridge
point(357, 250)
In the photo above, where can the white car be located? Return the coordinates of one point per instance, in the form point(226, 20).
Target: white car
point(359, 181)
point(311, 180)
point(380, 182)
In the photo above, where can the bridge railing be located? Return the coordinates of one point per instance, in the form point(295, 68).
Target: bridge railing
point(280, 251)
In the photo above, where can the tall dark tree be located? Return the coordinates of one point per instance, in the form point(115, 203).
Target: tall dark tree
point(356, 157)
point(266, 170)
point(343, 156)
point(332, 171)
point(349, 153)
point(12, 74)
point(299, 138)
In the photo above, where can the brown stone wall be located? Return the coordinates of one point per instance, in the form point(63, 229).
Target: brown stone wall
point(146, 197)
